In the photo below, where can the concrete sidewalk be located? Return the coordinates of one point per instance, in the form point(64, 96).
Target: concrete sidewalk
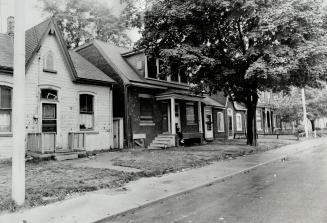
point(97, 205)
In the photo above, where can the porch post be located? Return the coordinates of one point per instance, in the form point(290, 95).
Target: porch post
point(172, 115)
point(200, 117)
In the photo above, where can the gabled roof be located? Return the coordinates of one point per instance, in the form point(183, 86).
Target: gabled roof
point(33, 37)
point(6, 52)
point(81, 70)
point(86, 70)
point(115, 57)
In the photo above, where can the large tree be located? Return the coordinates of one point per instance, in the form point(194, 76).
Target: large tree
point(239, 47)
point(81, 20)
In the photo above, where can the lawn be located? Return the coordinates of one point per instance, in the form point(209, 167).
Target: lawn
point(51, 181)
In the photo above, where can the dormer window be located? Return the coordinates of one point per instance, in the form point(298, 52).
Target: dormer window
point(48, 65)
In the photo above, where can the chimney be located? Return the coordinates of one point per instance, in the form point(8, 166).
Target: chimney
point(11, 26)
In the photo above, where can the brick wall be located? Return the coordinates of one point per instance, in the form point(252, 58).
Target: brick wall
point(134, 114)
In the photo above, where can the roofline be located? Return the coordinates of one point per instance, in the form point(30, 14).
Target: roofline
point(94, 82)
point(132, 52)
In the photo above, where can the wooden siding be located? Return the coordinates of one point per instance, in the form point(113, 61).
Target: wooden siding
point(68, 101)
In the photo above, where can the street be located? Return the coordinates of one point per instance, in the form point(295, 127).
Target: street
point(293, 190)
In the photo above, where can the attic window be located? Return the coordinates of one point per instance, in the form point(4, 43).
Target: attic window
point(48, 65)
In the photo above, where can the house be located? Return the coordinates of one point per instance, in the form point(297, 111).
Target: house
point(153, 108)
point(68, 101)
point(267, 121)
point(229, 120)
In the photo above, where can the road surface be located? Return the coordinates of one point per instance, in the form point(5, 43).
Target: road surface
point(294, 190)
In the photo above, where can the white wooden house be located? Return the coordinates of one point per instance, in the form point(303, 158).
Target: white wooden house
point(68, 101)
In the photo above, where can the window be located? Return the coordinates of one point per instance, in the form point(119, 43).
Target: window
point(190, 114)
point(5, 109)
point(239, 122)
point(86, 119)
point(174, 72)
point(48, 65)
point(259, 120)
point(49, 117)
point(152, 67)
point(49, 94)
point(220, 122)
point(146, 110)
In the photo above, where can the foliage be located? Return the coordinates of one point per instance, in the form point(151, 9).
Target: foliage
point(81, 20)
point(239, 47)
point(289, 107)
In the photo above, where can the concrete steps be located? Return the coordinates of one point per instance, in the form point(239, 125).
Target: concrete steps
point(162, 141)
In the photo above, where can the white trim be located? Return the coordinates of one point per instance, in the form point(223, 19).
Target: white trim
point(146, 67)
point(222, 120)
point(239, 122)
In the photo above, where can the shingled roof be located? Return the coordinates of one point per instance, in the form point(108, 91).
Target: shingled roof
point(80, 68)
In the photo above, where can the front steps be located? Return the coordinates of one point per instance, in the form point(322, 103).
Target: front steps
point(163, 141)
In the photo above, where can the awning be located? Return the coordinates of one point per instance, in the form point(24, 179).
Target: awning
point(179, 95)
point(211, 102)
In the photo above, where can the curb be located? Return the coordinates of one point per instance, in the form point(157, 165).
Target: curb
point(221, 179)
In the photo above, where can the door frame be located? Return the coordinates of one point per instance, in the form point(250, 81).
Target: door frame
point(230, 113)
point(178, 120)
point(208, 133)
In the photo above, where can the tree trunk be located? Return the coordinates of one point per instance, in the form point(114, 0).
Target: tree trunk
point(313, 125)
point(251, 106)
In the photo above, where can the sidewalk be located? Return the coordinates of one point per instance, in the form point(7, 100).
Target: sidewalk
point(97, 205)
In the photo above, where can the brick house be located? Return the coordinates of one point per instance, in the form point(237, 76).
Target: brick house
point(145, 100)
point(68, 101)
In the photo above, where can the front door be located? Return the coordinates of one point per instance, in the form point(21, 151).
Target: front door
point(208, 124)
point(164, 111)
point(230, 123)
point(116, 133)
point(178, 118)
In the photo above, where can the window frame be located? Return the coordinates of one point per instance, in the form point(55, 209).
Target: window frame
point(220, 117)
point(239, 122)
point(189, 105)
point(146, 119)
point(91, 112)
point(7, 109)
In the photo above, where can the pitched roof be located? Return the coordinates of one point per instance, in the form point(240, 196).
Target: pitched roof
point(79, 67)
point(113, 56)
point(6, 52)
point(86, 70)
point(219, 97)
point(33, 37)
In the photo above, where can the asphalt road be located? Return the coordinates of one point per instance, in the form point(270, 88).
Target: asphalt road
point(291, 191)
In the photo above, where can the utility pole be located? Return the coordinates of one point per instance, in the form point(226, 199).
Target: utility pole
point(18, 111)
point(305, 123)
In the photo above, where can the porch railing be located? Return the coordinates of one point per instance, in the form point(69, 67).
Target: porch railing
point(76, 140)
point(44, 142)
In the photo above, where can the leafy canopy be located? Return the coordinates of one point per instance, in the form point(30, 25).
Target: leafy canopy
point(240, 47)
point(81, 20)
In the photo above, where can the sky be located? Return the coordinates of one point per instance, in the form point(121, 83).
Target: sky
point(34, 14)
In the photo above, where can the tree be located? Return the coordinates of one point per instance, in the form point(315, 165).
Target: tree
point(289, 107)
point(239, 47)
point(81, 20)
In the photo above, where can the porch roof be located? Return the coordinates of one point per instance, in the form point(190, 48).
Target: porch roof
point(211, 102)
point(180, 95)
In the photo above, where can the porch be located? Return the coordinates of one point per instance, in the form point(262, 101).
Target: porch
point(43, 145)
point(181, 119)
